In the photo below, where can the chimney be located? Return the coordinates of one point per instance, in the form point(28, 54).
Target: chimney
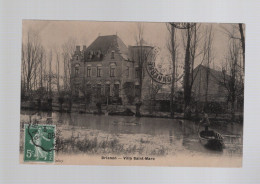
point(84, 48)
point(77, 48)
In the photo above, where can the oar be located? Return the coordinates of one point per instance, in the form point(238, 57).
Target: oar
point(234, 136)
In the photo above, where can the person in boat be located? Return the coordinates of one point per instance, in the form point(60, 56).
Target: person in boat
point(205, 120)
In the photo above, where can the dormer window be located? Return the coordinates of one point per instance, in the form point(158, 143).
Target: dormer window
point(98, 53)
point(113, 55)
point(90, 54)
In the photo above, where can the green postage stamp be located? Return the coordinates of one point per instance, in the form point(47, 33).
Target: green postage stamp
point(39, 143)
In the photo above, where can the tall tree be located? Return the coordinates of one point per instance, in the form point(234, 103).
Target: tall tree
point(186, 82)
point(208, 52)
point(231, 73)
point(143, 53)
point(58, 70)
point(68, 49)
point(32, 52)
point(237, 32)
point(50, 75)
point(242, 39)
point(41, 73)
point(195, 51)
point(172, 47)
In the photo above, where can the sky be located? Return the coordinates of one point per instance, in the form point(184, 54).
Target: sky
point(55, 33)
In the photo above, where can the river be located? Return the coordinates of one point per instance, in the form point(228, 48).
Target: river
point(173, 136)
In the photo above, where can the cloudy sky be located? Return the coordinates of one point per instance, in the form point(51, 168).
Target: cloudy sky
point(55, 33)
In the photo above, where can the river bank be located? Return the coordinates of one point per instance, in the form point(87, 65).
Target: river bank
point(128, 110)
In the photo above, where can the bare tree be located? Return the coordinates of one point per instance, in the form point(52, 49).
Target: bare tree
point(190, 54)
point(237, 32)
point(154, 89)
point(41, 73)
point(58, 70)
point(195, 51)
point(172, 47)
point(32, 56)
point(207, 49)
point(233, 69)
point(187, 65)
point(231, 73)
point(242, 39)
point(68, 49)
point(42, 63)
point(144, 53)
point(50, 76)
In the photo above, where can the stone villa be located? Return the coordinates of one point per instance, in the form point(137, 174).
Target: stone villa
point(109, 69)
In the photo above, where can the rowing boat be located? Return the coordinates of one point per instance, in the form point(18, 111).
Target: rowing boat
point(211, 139)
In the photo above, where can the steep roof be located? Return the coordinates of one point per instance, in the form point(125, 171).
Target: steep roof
point(105, 43)
point(218, 75)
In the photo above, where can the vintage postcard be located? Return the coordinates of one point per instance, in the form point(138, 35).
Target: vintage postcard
point(132, 93)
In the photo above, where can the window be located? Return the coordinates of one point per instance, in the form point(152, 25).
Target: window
point(127, 71)
point(136, 72)
point(107, 90)
point(88, 71)
point(99, 71)
point(113, 55)
point(77, 57)
point(116, 90)
point(112, 71)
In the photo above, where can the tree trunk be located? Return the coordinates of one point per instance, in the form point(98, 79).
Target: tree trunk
point(138, 106)
point(70, 104)
point(84, 84)
point(187, 90)
point(61, 107)
point(242, 42)
point(207, 86)
point(173, 70)
point(233, 110)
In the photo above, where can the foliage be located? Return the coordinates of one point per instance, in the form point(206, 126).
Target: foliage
point(214, 107)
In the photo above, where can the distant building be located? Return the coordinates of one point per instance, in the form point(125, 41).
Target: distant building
point(216, 91)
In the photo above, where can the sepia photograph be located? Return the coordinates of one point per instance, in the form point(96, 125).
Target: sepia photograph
point(132, 93)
